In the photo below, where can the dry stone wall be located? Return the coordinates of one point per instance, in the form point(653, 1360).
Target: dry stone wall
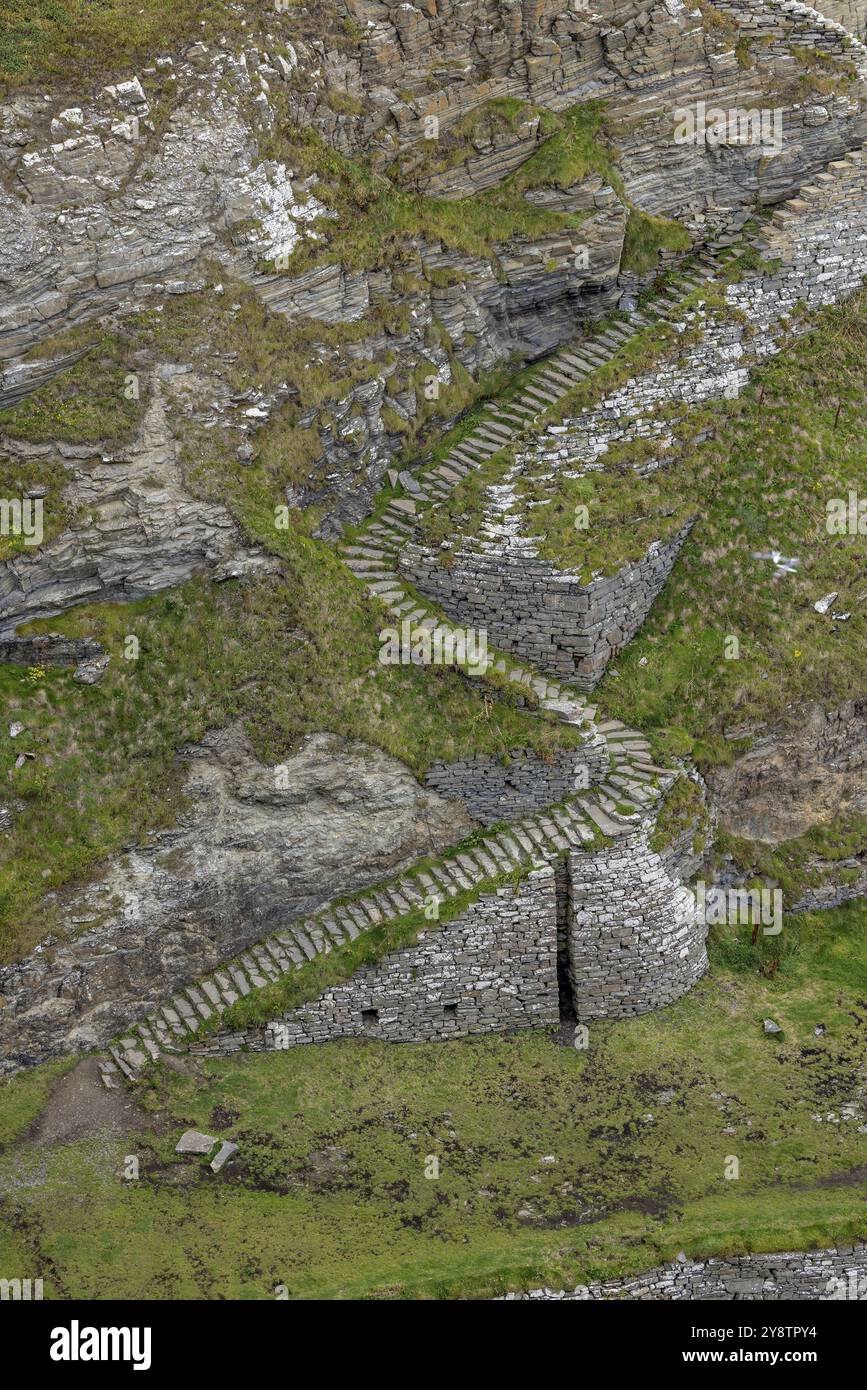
point(48, 649)
point(624, 928)
point(836, 1273)
point(494, 791)
point(546, 616)
point(491, 969)
point(635, 939)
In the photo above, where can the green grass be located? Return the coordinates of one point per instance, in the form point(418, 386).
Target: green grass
point(789, 865)
point(24, 1096)
point(461, 514)
point(683, 807)
point(92, 401)
point(328, 1195)
point(575, 146)
point(761, 483)
point(377, 218)
point(287, 655)
point(77, 41)
point(646, 236)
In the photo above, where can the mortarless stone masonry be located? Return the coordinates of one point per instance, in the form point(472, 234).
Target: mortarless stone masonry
point(627, 931)
point(493, 791)
point(635, 939)
point(837, 1273)
point(492, 969)
point(568, 629)
point(48, 649)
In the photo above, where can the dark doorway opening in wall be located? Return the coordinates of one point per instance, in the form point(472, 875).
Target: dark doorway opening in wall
point(369, 1017)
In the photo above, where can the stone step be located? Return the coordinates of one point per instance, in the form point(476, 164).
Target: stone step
point(362, 552)
point(465, 458)
point(482, 448)
point(559, 381)
point(496, 431)
point(605, 822)
point(535, 389)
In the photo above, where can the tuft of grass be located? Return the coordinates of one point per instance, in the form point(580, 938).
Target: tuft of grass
point(93, 401)
point(23, 1097)
point(646, 236)
point(77, 41)
point(792, 865)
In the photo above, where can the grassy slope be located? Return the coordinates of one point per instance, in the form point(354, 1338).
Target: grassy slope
point(79, 41)
point(288, 655)
point(762, 484)
point(328, 1195)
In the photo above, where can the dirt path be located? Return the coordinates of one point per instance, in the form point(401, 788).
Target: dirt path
point(80, 1105)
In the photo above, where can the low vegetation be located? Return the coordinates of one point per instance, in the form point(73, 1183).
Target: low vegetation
point(823, 855)
point(760, 485)
point(555, 1166)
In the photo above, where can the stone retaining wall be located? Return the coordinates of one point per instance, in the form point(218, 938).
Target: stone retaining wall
point(635, 941)
point(491, 969)
point(627, 932)
point(494, 791)
point(545, 616)
point(49, 649)
point(839, 1272)
point(821, 239)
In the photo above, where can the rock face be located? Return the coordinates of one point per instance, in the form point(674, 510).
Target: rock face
point(140, 530)
point(50, 649)
point(117, 201)
point(490, 970)
point(790, 781)
point(252, 852)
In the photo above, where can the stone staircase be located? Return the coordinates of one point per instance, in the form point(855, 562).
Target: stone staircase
point(611, 809)
point(380, 538)
point(615, 807)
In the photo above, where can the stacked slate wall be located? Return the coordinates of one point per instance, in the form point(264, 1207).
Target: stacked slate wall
point(837, 1273)
point(494, 791)
point(635, 938)
point(493, 968)
point(569, 630)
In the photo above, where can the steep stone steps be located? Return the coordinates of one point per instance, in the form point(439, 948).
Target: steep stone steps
point(554, 378)
point(540, 837)
point(613, 808)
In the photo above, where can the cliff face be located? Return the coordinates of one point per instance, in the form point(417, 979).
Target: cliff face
point(219, 157)
point(789, 782)
point(320, 244)
point(252, 853)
